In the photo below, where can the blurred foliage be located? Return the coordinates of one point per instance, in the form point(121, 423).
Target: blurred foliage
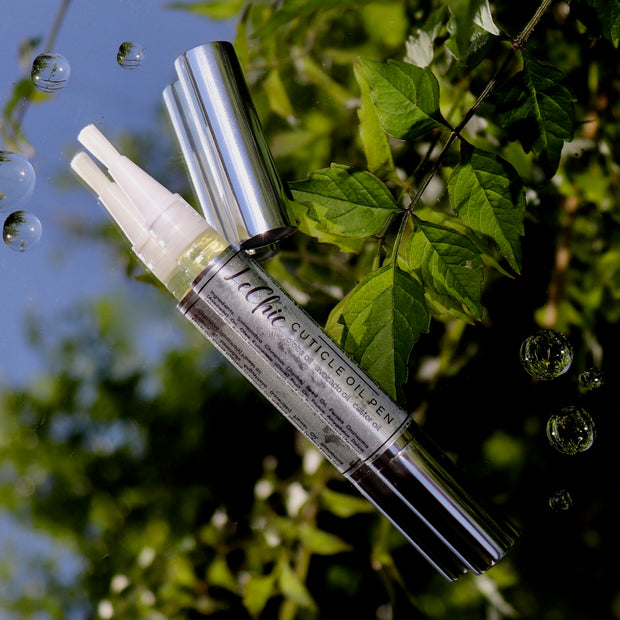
point(183, 494)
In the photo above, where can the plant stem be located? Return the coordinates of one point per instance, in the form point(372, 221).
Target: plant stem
point(516, 46)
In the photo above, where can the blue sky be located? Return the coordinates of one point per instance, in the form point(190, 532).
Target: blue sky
point(60, 271)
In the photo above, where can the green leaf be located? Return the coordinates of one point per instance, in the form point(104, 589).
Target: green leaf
point(484, 19)
point(487, 194)
point(306, 224)
point(276, 94)
point(219, 574)
point(294, 9)
point(420, 46)
point(406, 98)
point(538, 110)
point(466, 15)
point(447, 262)
point(215, 9)
point(344, 505)
point(478, 46)
point(384, 316)
point(608, 12)
point(292, 587)
point(346, 202)
point(374, 140)
point(320, 542)
point(257, 591)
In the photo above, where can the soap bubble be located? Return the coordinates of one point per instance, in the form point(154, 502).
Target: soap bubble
point(571, 430)
point(22, 230)
point(547, 354)
point(50, 72)
point(591, 379)
point(560, 500)
point(130, 55)
point(17, 178)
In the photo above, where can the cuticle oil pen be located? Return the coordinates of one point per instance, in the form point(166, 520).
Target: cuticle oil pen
point(370, 439)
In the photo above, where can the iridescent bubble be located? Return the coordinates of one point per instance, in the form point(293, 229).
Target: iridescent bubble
point(546, 355)
point(560, 500)
point(22, 231)
point(50, 72)
point(571, 430)
point(591, 379)
point(130, 55)
point(17, 178)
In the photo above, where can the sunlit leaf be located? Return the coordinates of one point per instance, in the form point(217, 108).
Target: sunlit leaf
point(420, 46)
point(277, 95)
point(303, 217)
point(383, 317)
point(345, 202)
point(487, 193)
point(219, 574)
point(406, 98)
point(320, 542)
point(292, 587)
point(344, 505)
point(257, 591)
point(537, 110)
point(447, 262)
point(374, 140)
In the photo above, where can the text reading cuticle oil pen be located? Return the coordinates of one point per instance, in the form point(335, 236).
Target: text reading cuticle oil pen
point(285, 354)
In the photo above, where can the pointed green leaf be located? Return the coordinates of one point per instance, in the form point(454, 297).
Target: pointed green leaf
point(344, 505)
point(347, 202)
point(219, 574)
point(487, 194)
point(276, 94)
point(484, 19)
point(469, 17)
point(447, 262)
point(257, 591)
point(374, 140)
point(292, 587)
point(383, 317)
point(320, 542)
point(406, 98)
point(420, 46)
point(538, 110)
point(303, 217)
point(477, 46)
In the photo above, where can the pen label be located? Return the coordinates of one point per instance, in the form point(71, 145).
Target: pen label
point(291, 360)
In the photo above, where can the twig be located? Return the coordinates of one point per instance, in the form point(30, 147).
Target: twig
point(516, 46)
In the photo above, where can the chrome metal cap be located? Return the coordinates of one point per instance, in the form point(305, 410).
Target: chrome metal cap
point(228, 159)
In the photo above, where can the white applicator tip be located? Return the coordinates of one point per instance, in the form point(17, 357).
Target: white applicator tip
point(90, 173)
point(98, 145)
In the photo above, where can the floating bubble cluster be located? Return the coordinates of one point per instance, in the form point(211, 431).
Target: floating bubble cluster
point(591, 379)
point(560, 500)
point(546, 355)
point(21, 231)
point(50, 72)
point(17, 179)
point(571, 430)
point(130, 55)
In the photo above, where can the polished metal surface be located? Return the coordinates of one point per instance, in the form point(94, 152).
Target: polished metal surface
point(430, 505)
point(229, 161)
